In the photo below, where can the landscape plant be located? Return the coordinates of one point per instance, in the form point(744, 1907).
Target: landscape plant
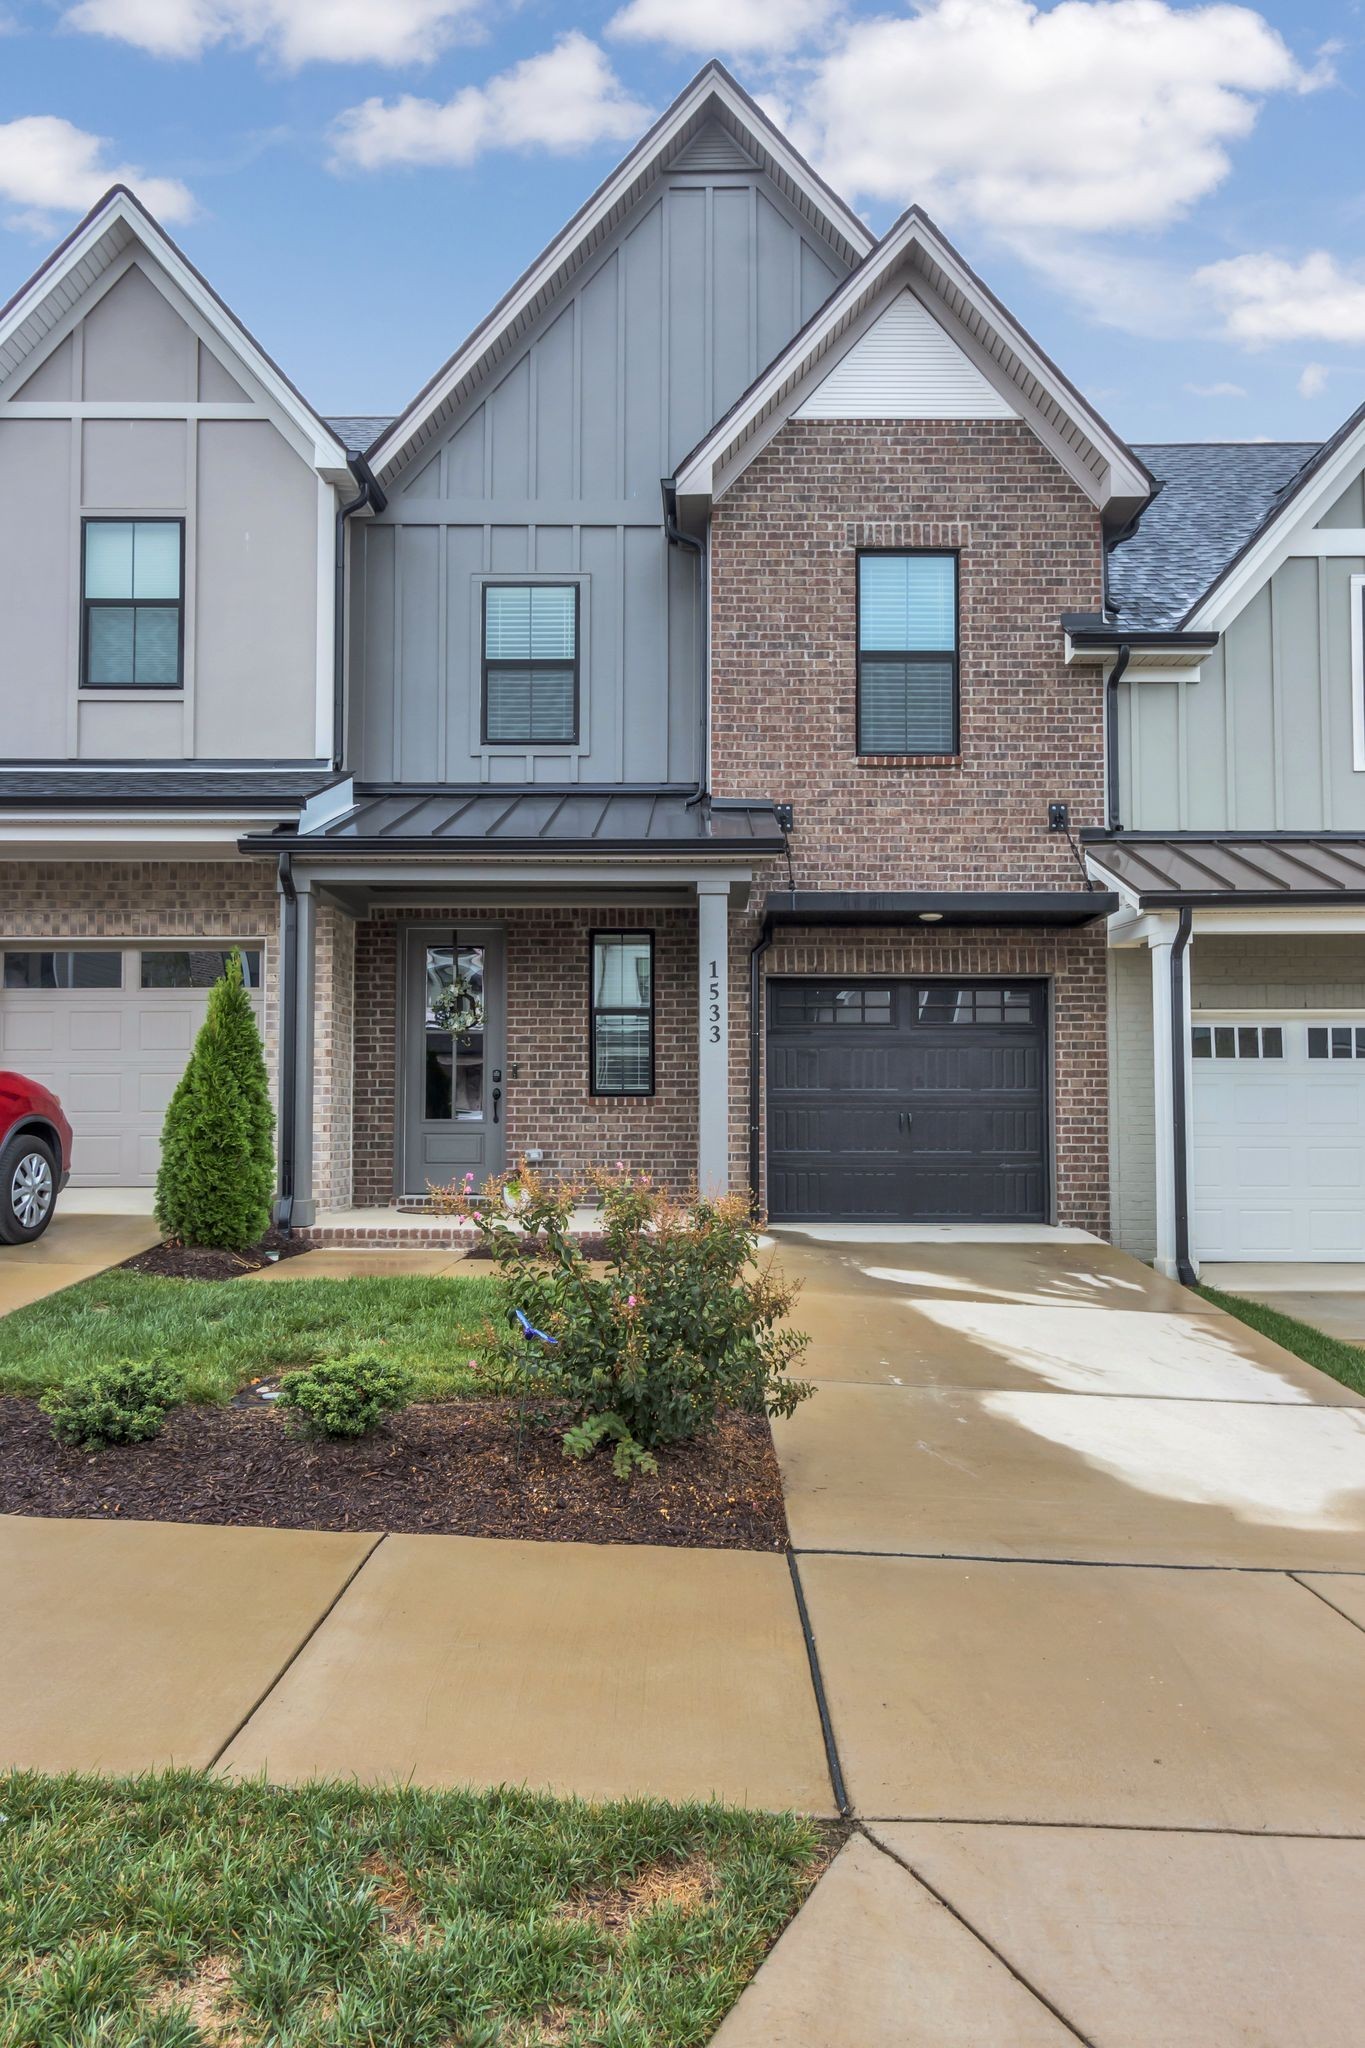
point(124, 1401)
point(217, 1172)
point(345, 1397)
point(680, 1324)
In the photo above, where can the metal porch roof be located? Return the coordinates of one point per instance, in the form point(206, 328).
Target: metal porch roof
point(1246, 868)
point(439, 820)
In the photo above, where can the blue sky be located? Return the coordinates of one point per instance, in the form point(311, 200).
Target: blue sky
point(1170, 197)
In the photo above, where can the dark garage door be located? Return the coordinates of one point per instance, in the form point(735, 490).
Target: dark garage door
point(907, 1101)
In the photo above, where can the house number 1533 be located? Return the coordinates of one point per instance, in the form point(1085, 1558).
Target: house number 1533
point(713, 1016)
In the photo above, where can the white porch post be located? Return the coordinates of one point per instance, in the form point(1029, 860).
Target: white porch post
point(713, 1036)
point(1163, 1069)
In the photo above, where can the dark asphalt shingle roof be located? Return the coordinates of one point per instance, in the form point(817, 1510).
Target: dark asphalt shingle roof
point(1214, 495)
point(358, 431)
point(280, 789)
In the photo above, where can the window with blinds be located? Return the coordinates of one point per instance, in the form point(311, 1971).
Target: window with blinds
point(530, 664)
point(907, 654)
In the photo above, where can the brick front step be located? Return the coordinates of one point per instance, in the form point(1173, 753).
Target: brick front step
point(388, 1236)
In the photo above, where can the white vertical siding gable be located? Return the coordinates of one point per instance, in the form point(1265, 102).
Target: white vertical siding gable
point(906, 367)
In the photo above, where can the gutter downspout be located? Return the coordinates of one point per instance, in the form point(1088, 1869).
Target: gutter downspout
point(369, 494)
point(289, 1047)
point(678, 539)
point(1184, 1265)
point(756, 953)
point(1111, 738)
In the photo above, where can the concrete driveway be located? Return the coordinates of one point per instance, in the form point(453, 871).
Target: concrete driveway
point(75, 1244)
point(1085, 1566)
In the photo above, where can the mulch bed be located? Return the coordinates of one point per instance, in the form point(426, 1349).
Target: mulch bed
point(201, 1262)
point(592, 1247)
point(457, 1468)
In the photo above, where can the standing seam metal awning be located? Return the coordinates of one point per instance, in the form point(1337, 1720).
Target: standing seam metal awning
point(436, 820)
point(1250, 870)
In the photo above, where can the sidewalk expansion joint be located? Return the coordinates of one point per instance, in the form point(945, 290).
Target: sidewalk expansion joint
point(836, 1774)
point(970, 1927)
point(297, 1651)
point(1341, 1611)
point(1090, 1564)
point(1106, 1827)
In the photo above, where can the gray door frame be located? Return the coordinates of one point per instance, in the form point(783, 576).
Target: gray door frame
point(412, 1173)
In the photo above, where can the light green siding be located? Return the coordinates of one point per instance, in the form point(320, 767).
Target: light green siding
point(1132, 1102)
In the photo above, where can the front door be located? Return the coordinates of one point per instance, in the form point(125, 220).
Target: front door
point(454, 1047)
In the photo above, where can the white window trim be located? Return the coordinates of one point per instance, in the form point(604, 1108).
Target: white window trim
point(1358, 670)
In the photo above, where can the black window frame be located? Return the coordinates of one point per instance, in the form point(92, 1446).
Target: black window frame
point(485, 665)
point(596, 1010)
point(133, 604)
point(919, 656)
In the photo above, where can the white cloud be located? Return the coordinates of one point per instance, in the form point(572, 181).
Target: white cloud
point(565, 99)
point(293, 31)
point(1086, 117)
point(1265, 298)
point(743, 26)
point(1313, 380)
point(50, 169)
point(1221, 390)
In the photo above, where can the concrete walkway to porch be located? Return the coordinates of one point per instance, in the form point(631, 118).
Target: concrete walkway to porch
point(1085, 1565)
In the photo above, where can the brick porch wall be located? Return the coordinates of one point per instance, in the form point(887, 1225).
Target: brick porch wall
point(333, 1057)
point(548, 1104)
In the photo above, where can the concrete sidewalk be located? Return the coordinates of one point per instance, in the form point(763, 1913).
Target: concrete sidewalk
point(1085, 1563)
point(74, 1246)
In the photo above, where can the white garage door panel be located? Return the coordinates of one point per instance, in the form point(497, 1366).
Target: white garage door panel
point(113, 1058)
point(1279, 1153)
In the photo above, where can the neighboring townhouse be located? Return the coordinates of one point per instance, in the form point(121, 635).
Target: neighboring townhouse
point(674, 738)
point(1235, 837)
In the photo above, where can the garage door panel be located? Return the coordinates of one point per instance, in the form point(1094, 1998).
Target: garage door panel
point(926, 1104)
point(1337, 1167)
point(113, 1057)
point(1333, 1102)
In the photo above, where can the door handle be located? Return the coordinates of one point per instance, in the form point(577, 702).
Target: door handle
point(497, 1098)
point(904, 1119)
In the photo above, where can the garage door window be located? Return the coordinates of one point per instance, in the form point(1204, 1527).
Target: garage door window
point(199, 967)
point(944, 1004)
point(63, 970)
point(1237, 1042)
point(811, 1004)
point(1336, 1042)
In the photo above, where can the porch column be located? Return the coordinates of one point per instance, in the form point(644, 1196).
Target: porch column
point(713, 1046)
point(297, 980)
point(1165, 1025)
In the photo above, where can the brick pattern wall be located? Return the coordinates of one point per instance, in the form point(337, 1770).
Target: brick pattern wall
point(547, 1100)
point(785, 542)
point(333, 1056)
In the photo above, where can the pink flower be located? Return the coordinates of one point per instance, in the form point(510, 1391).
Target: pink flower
point(469, 1180)
point(620, 1166)
point(630, 1301)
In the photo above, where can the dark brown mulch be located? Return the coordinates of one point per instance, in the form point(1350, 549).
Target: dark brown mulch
point(459, 1468)
point(201, 1262)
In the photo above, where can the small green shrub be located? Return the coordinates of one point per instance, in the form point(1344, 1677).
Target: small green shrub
point(681, 1324)
point(345, 1396)
point(217, 1172)
point(123, 1402)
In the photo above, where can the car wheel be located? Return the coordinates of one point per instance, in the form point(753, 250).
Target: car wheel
point(28, 1188)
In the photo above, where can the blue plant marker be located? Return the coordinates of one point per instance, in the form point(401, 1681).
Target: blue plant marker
point(529, 1330)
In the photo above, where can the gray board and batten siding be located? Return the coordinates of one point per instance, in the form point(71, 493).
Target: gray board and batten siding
point(1262, 741)
point(551, 470)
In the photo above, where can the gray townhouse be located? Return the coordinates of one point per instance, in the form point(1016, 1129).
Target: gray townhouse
point(748, 716)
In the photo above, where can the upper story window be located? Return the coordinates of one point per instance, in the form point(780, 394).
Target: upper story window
point(132, 607)
point(530, 664)
point(907, 654)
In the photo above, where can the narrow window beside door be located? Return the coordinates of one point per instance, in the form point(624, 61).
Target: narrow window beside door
point(907, 654)
point(530, 664)
point(621, 1016)
point(132, 619)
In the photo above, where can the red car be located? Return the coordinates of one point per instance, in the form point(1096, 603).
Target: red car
point(35, 1157)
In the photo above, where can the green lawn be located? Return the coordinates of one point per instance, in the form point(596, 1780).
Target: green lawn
point(1343, 1361)
point(182, 1911)
point(220, 1333)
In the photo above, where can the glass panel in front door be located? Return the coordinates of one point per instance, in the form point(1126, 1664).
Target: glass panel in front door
point(454, 1029)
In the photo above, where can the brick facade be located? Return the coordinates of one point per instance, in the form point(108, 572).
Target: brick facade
point(547, 1100)
point(784, 550)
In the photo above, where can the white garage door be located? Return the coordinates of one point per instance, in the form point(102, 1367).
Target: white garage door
point(1279, 1138)
point(109, 1030)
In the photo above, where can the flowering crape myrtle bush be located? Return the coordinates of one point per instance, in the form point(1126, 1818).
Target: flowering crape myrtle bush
point(681, 1323)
